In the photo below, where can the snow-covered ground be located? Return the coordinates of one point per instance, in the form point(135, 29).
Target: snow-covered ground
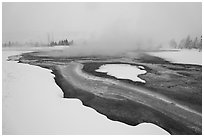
point(123, 71)
point(183, 56)
point(33, 104)
point(21, 49)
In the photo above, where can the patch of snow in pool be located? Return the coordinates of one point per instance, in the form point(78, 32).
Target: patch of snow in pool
point(141, 67)
point(183, 56)
point(33, 104)
point(123, 71)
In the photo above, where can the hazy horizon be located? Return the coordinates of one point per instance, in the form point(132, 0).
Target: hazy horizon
point(125, 24)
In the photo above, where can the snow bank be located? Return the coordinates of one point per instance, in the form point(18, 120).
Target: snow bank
point(181, 56)
point(123, 71)
point(33, 104)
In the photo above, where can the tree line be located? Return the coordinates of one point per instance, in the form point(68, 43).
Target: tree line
point(61, 42)
point(187, 43)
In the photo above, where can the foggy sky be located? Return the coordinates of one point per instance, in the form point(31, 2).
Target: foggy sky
point(107, 23)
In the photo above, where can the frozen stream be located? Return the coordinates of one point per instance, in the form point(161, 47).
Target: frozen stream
point(33, 104)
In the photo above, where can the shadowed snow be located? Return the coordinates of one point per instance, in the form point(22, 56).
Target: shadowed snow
point(123, 71)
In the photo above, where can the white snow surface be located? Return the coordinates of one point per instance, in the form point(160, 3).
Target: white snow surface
point(183, 56)
point(123, 71)
point(141, 67)
point(33, 104)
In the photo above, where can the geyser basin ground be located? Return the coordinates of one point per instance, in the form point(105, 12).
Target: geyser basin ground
point(171, 96)
point(39, 107)
point(123, 71)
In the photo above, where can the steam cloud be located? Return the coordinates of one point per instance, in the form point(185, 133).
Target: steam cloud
point(100, 27)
